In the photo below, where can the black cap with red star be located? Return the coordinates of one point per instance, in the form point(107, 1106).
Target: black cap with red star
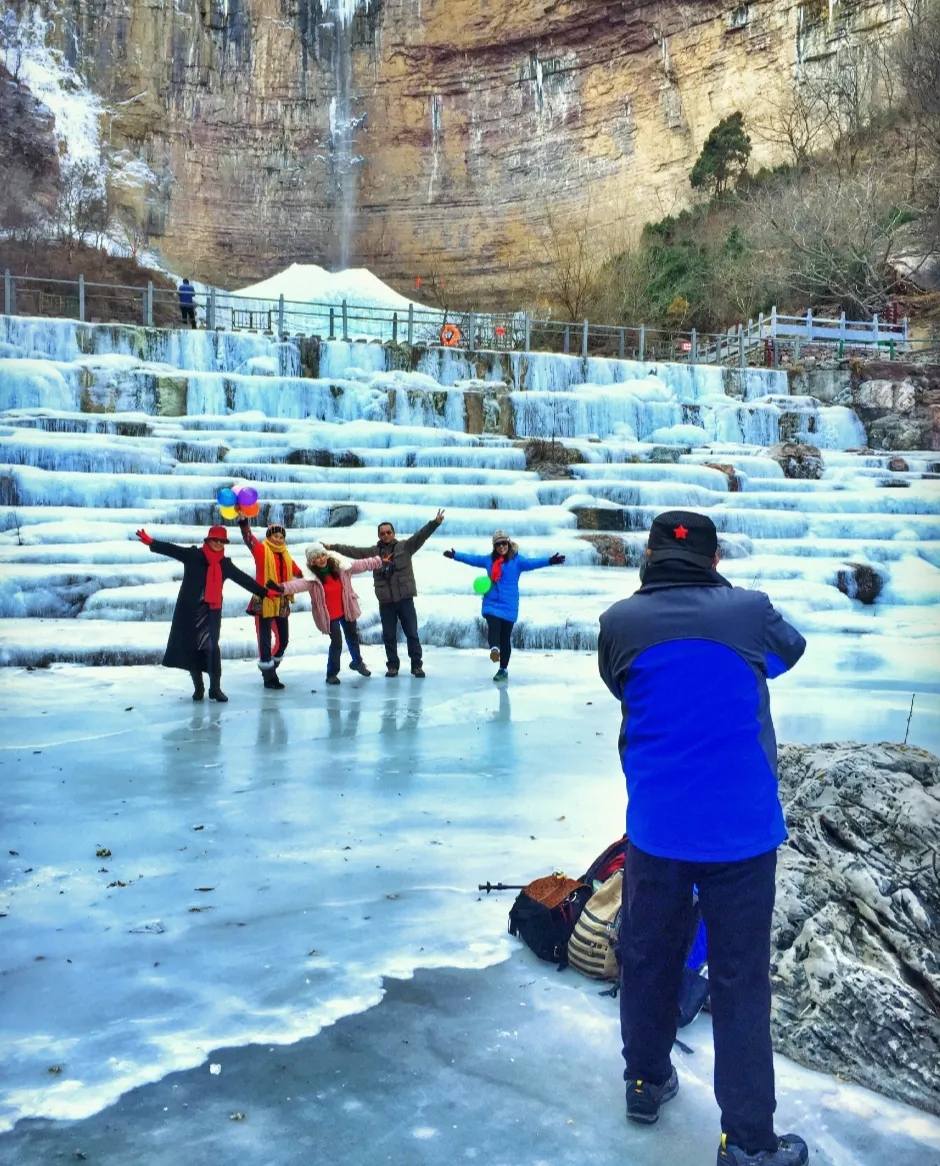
point(680, 534)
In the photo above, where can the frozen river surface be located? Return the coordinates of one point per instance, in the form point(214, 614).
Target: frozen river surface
point(290, 893)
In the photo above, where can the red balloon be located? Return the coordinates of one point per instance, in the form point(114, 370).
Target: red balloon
point(251, 511)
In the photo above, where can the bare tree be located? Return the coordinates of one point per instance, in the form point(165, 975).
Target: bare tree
point(570, 256)
point(82, 206)
point(832, 237)
point(800, 123)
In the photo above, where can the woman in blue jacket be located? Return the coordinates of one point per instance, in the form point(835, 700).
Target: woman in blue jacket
point(501, 602)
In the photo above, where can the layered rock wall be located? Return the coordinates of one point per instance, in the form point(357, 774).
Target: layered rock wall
point(486, 124)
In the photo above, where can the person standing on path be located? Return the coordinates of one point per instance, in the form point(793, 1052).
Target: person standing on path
point(688, 658)
point(187, 295)
point(501, 602)
point(197, 617)
point(334, 604)
point(272, 562)
point(395, 588)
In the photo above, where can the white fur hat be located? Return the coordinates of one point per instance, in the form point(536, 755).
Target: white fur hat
point(315, 550)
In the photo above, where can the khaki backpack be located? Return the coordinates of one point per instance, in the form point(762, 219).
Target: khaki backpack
point(590, 950)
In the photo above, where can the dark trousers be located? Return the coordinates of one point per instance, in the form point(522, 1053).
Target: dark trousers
point(736, 900)
point(208, 630)
point(339, 628)
point(499, 632)
point(403, 612)
point(188, 312)
point(271, 628)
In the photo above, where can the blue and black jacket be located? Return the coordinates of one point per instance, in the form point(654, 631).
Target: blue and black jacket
point(502, 599)
point(689, 665)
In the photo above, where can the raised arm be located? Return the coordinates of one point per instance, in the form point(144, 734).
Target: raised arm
point(417, 541)
point(373, 563)
point(249, 539)
point(535, 564)
point(783, 644)
point(237, 575)
point(351, 552)
point(296, 586)
point(171, 550)
point(483, 561)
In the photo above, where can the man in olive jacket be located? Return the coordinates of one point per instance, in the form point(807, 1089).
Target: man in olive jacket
point(395, 588)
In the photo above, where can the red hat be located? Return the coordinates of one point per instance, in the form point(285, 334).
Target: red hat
point(218, 532)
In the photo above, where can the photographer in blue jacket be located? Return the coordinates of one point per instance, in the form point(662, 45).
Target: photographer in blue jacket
point(688, 657)
point(501, 601)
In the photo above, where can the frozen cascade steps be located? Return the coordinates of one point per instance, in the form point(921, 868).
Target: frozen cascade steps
point(105, 429)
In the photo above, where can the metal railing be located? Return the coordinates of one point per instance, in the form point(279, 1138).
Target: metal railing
point(765, 341)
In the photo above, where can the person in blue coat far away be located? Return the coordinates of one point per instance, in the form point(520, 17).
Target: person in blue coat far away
point(501, 602)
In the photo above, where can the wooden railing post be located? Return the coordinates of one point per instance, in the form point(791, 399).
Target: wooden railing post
point(210, 310)
point(345, 320)
point(584, 339)
point(842, 331)
point(148, 305)
point(7, 293)
point(394, 327)
point(809, 324)
point(411, 325)
point(528, 332)
point(332, 323)
point(693, 350)
point(81, 298)
point(642, 352)
point(280, 316)
point(742, 357)
point(566, 340)
point(471, 328)
point(874, 321)
point(621, 343)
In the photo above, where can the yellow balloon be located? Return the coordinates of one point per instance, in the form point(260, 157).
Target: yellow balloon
point(228, 511)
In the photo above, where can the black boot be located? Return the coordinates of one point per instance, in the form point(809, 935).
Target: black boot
point(271, 679)
point(215, 687)
point(199, 689)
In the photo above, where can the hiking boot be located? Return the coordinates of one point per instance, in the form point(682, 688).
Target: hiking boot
point(332, 680)
point(271, 680)
point(219, 695)
point(494, 654)
point(418, 672)
point(501, 675)
point(791, 1151)
point(360, 667)
point(392, 672)
point(644, 1099)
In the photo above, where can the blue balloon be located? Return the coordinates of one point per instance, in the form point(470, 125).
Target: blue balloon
point(226, 497)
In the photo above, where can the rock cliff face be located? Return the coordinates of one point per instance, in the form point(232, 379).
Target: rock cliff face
point(481, 118)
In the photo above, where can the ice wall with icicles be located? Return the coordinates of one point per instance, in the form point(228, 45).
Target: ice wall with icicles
point(107, 428)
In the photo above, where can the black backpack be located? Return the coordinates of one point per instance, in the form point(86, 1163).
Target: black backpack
point(545, 912)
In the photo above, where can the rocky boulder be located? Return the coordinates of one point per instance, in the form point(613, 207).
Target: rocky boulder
point(856, 935)
point(897, 465)
point(797, 460)
point(860, 581)
point(734, 482)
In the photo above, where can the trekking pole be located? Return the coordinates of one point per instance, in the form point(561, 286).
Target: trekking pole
point(500, 887)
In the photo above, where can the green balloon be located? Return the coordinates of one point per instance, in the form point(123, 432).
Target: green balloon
point(482, 585)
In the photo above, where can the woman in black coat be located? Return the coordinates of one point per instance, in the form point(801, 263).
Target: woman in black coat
point(197, 618)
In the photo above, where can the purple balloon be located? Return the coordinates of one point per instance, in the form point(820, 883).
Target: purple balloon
point(247, 496)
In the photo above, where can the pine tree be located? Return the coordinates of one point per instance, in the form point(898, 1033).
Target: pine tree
point(724, 155)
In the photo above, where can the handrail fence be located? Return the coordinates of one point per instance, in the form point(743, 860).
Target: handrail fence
point(769, 340)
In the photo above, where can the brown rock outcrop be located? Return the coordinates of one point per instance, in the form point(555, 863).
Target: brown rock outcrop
point(479, 119)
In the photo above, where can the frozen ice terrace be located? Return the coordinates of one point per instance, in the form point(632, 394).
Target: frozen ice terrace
point(107, 428)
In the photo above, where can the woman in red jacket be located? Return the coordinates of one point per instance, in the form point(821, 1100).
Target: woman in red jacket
point(272, 564)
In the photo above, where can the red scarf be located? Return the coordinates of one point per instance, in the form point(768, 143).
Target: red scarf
point(213, 594)
point(496, 570)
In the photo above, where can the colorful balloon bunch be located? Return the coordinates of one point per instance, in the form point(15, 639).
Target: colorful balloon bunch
point(244, 500)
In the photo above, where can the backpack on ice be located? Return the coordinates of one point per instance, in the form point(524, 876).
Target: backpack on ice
point(591, 949)
point(544, 914)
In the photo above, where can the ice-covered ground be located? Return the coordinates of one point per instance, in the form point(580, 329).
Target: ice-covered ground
point(271, 860)
point(229, 912)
